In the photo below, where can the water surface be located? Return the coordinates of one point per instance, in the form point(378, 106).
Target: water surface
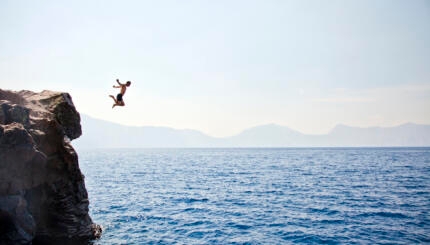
point(259, 196)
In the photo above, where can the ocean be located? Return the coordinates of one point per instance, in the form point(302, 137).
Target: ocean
point(259, 195)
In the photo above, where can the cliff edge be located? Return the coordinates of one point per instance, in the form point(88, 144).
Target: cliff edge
point(43, 199)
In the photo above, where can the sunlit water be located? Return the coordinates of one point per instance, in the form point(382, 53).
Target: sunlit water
point(259, 196)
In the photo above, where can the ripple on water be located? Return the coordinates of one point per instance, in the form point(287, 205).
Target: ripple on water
point(259, 196)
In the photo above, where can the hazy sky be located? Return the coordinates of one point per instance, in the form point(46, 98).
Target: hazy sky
point(223, 66)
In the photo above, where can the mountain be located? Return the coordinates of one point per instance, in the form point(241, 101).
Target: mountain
point(270, 135)
point(99, 134)
point(103, 134)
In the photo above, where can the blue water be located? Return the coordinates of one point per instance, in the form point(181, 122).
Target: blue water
point(259, 196)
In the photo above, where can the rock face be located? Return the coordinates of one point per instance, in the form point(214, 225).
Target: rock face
point(43, 199)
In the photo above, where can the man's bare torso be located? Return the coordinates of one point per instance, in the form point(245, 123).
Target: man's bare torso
point(123, 89)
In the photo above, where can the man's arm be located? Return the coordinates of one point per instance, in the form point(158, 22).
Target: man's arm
point(119, 84)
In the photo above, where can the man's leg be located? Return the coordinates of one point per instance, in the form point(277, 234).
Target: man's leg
point(116, 102)
point(113, 97)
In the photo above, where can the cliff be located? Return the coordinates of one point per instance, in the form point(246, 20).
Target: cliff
point(43, 199)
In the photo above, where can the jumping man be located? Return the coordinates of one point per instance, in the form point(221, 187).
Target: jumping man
point(123, 87)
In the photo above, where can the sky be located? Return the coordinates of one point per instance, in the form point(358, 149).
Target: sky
point(223, 66)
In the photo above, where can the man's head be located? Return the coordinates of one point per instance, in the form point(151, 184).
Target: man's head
point(128, 83)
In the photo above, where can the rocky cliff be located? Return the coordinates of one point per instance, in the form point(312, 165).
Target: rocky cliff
point(43, 199)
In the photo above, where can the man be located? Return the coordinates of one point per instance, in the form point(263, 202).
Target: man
point(119, 101)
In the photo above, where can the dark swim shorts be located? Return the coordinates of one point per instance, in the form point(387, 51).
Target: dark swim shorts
point(119, 97)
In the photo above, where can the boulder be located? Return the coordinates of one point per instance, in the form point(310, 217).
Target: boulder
point(43, 199)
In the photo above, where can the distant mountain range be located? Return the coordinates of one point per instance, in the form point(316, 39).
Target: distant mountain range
point(103, 134)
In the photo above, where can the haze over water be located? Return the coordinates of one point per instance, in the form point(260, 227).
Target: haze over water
point(260, 196)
